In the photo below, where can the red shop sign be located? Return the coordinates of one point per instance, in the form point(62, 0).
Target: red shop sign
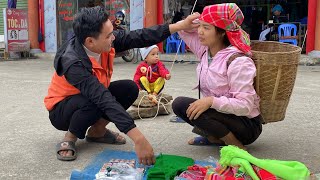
point(16, 30)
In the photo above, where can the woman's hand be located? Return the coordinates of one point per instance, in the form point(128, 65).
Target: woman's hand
point(196, 108)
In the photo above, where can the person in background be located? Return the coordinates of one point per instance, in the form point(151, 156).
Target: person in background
point(270, 33)
point(279, 14)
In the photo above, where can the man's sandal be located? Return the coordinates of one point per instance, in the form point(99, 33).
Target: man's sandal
point(66, 146)
point(109, 137)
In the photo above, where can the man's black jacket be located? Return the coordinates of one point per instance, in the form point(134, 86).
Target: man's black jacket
point(72, 61)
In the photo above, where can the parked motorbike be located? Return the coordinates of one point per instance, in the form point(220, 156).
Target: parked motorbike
point(119, 23)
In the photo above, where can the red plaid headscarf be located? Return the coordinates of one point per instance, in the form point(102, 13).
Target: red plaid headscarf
point(229, 17)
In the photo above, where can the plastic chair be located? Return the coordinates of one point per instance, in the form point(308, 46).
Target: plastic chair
point(173, 43)
point(288, 30)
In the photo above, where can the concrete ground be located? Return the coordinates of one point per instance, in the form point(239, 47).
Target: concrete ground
point(28, 139)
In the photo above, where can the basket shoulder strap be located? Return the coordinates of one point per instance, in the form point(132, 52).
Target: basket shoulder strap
point(233, 57)
point(199, 94)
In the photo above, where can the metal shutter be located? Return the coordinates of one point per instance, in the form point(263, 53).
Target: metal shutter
point(22, 4)
point(3, 4)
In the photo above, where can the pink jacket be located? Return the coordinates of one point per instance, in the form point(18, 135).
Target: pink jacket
point(232, 87)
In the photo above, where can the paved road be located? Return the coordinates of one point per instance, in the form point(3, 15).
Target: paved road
point(28, 139)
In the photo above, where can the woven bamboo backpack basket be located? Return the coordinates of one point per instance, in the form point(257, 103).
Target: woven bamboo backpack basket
point(277, 65)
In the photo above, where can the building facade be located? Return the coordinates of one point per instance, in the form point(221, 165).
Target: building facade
point(50, 22)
